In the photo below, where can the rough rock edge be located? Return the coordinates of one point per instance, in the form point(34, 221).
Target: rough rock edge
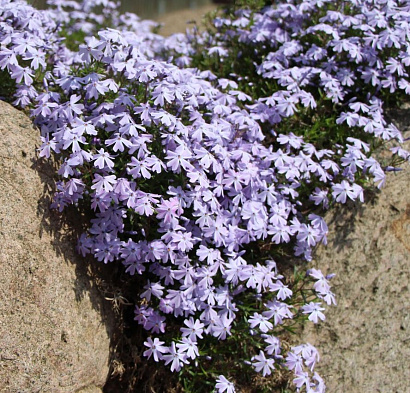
point(365, 342)
point(54, 324)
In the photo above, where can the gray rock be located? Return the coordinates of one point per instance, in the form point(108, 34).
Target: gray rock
point(54, 331)
point(365, 342)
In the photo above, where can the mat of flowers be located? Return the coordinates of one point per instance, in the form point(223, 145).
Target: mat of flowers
point(201, 183)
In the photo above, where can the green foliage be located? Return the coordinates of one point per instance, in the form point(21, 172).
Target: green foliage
point(73, 39)
point(7, 86)
point(252, 4)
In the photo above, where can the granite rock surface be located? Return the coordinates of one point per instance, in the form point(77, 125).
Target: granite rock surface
point(54, 329)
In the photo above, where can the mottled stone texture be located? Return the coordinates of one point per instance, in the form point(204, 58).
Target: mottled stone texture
point(181, 20)
point(54, 332)
point(365, 343)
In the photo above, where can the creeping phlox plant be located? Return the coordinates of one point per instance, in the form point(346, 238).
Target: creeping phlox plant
point(322, 69)
point(202, 182)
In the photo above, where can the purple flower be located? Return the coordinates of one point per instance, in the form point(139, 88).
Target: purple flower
point(260, 321)
point(223, 385)
point(155, 348)
point(274, 346)
point(103, 159)
point(155, 323)
point(193, 330)
point(175, 357)
point(278, 311)
point(294, 362)
point(72, 107)
point(233, 179)
point(315, 311)
point(222, 327)
point(321, 284)
point(302, 378)
point(155, 289)
point(103, 183)
point(343, 190)
point(263, 364)
point(189, 347)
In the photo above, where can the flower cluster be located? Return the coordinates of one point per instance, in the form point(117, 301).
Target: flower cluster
point(28, 40)
point(339, 60)
point(195, 183)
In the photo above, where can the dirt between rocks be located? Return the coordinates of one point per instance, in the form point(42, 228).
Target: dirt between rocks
point(365, 342)
point(179, 21)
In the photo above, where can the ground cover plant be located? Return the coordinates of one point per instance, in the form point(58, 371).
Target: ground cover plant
point(207, 161)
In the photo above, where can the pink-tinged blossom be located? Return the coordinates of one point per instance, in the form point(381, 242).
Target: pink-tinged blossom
point(169, 211)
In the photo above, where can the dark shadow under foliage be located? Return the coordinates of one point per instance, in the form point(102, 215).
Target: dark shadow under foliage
point(111, 291)
point(113, 294)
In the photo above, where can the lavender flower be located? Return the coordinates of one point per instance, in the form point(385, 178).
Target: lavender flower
point(194, 183)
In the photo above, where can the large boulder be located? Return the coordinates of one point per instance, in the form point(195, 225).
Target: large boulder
point(54, 330)
point(365, 342)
